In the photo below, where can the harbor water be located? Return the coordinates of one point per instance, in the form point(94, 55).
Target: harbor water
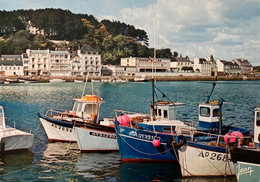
point(63, 162)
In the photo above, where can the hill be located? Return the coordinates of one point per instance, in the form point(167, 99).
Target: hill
point(112, 39)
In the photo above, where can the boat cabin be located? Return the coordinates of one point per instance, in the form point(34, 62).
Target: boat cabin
point(166, 110)
point(257, 127)
point(209, 115)
point(87, 107)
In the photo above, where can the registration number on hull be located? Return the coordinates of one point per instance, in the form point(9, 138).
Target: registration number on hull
point(62, 128)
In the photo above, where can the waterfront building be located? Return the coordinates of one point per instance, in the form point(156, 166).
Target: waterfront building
point(245, 66)
point(181, 64)
point(203, 66)
point(113, 70)
point(36, 62)
point(59, 63)
point(145, 65)
point(11, 65)
point(228, 68)
point(75, 66)
point(90, 61)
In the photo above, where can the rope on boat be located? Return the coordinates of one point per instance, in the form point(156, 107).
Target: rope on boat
point(177, 157)
point(67, 151)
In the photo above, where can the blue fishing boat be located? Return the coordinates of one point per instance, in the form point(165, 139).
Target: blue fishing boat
point(143, 137)
point(247, 158)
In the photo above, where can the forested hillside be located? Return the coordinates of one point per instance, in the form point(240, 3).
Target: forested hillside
point(112, 39)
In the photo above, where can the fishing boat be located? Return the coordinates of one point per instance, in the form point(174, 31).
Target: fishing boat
point(206, 153)
point(59, 124)
point(247, 158)
point(143, 137)
point(12, 139)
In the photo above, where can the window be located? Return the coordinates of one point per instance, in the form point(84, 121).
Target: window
point(159, 112)
point(216, 113)
point(205, 111)
point(165, 114)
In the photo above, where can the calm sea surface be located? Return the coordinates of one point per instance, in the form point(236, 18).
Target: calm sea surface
point(62, 162)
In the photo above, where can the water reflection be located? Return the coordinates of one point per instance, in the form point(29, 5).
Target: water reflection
point(98, 166)
point(149, 172)
point(15, 161)
point(58, 161)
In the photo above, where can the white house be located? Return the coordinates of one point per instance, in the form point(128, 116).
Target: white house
point(203, 66)
point(181, 64)
point(145, 65)
point(11, 65)
point(59, 63)
point(90, 61)
point(75, 66)
point(36, 62)
point(228, 68)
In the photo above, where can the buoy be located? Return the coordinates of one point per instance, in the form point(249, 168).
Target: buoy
point(124, 120)
point(156, 142)
point(232, 137)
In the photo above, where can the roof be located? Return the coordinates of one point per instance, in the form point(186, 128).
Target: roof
point(11, 58)
point(59, 52)
point(11, 63)
point(39, 51)
point(87, 48)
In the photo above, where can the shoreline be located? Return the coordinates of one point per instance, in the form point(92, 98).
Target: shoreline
point(43, 79)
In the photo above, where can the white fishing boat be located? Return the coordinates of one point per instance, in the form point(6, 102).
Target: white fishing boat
point(97, 137)
point(12, 139)
point(57, 80)
point(59, 124)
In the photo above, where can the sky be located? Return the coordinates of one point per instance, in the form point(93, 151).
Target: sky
point(194, 28)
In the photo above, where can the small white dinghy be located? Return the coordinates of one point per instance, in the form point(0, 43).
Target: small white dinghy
point(13, 139)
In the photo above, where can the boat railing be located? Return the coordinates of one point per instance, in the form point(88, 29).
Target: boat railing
point(219, 139)
point(128, 112)
point(53, 111)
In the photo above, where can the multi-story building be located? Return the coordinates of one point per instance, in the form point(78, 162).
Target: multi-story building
point(181, 64)
point(146, 64)
point(90, 61)
point(36, 62)
point(203, 66)
point(245, 66)
point(59, 63)
point(75, 66)
point(228, 68)
point(11, 65)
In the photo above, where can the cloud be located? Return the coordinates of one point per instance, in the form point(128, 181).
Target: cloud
point(225, 29)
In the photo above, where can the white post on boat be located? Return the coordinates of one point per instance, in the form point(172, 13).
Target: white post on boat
point(2, 117)
point(257, 127)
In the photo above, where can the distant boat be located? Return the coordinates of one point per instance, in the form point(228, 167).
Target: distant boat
point(141, 78)
point(27, 81)
point(13, 139)
point(11, 80)
point(56, 80)
point(6, 82)
point(78, 81)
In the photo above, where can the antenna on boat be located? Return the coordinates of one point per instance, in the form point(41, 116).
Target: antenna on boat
point(208, 96)
point(84, 86)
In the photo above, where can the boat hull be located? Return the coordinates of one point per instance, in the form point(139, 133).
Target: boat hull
point(96, 140)
point(198, 159)
point(16, 142)
point(137, 145)
point(247, 164)
point(58, 132)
